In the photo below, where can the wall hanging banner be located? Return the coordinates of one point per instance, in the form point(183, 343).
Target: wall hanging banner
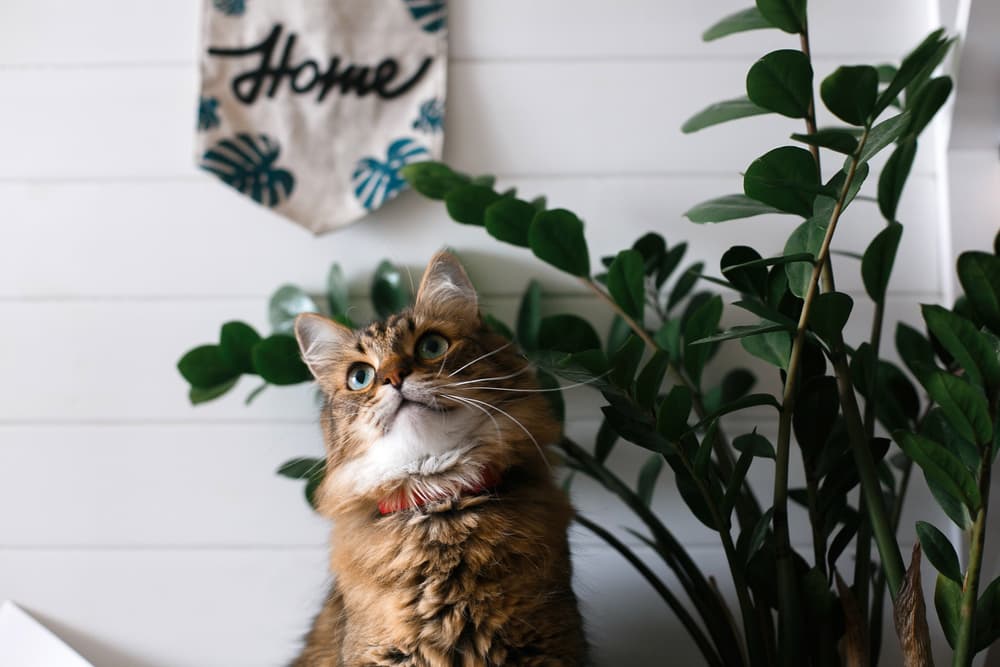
point(310, 107)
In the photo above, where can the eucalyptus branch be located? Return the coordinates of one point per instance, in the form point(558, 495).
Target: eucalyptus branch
point(965, 641)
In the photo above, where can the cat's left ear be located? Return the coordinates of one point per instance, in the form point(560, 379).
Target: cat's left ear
point(321, 341)
point(446, 291)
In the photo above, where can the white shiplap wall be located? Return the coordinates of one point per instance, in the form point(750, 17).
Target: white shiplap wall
point(151, 534)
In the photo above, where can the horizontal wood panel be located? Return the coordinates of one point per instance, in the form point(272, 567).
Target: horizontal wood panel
point(110, 361)
point(200, 239)
point(506, 117)
point(218, 608)
point(479, 29)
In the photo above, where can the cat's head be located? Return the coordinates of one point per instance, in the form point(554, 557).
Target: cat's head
point(425, 403)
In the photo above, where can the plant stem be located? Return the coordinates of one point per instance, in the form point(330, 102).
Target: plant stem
point(639, 330)
point(965, 648)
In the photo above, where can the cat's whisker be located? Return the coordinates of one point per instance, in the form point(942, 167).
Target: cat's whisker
point(523, 369)
point(462, 401)
point(480, 358)
point(515, 421)
point(540, 391)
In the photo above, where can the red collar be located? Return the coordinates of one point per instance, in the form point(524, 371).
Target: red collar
point(490, 478)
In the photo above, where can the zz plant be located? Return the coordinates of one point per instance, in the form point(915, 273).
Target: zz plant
point(836, 403)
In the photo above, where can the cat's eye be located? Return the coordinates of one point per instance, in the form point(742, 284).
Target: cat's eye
point(360, 376)
point(432, 346)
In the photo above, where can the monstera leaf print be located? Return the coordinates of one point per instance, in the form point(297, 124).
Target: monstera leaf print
point(429, 14)
point(247, 163)
point(377, 181)
point(430, 118)
point(208, 113)
point(230, 7)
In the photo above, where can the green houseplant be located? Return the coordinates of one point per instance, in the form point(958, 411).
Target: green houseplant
point(835, 400)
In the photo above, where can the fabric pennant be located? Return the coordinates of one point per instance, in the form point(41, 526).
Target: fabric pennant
point(311, 108)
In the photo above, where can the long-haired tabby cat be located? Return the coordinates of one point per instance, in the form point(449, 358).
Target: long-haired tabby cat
point(449, 544)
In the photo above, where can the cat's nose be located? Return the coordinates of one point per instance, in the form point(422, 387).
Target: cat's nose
point(395, 376)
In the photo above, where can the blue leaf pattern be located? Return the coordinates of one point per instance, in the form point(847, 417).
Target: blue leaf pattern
point(376, 181)
point(208, 113)
point(230, 7)
point(430, 15)
point(247, 163)
point(431, 117)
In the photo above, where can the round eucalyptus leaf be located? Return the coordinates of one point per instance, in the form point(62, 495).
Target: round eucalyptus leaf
point(556, 237)
point(286, 304)
point(850, 93)
point(785, 178)
point(336, 291)
point(205, 367)
point(236, 341)
point(390, 293)
point(467, 203)
point(277, 360)
point(432, 179)
point(781, 82)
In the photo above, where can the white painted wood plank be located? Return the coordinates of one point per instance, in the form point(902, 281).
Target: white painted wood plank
point(217, 608)
point(111, 361)
point(506, 117)
point(179, 238)
point(47, 32)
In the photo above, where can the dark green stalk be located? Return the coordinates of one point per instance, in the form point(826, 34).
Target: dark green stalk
point(875, 627)
point(692, 627)
point(965, 648)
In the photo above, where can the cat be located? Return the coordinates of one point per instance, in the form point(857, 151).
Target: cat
point(449, 545)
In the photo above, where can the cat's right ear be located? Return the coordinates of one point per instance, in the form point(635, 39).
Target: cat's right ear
point(321, 341)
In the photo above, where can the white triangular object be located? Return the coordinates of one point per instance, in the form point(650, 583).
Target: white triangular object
point(24, 642)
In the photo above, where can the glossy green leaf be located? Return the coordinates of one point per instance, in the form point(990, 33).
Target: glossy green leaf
point(788, 15)
point(964, 404)
point(685, 283)
point(668, 339)
point(672, 416)
point(236, 341)
point(768, 261)
point(829, 314)
point(652, 247)
point(728, 207)
point(722, 112)
point(816, 410)
point(751, 401)
point(979, 274)
point(914, 349)
point(277, 360)
point(878, 260)
point(850, 93)
point(199, 395)
point(205, 367)
point(567, 333)
point(740, 331)
point(741, 21)
point(894, 175)
point(736, 384)
point(755, 445)
point(627, 283)
point(648, 475)
point(390, 293)
point(942, 466)
point(556, 237)
point(807, 238)
point(774, 347)
point(703, 322)
point(301, 468)
point(884, 134)
point(432, 179)
point(785, 178)
point(971, 348)
point(781, 81)
point(927, 102)
point(467, 203)
point(336, 292)
point(647, 385)
point(939, 551)
point(529, 317)
point(948, 603)
point(827, 200)
point(937, 427)
point(928, 54)
point(669, 262)
point(841, 141)
point(287, 302)
point(988, 616)
point(741, 266)
point(625, 361)
point(508, 219)
point(605, 442)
